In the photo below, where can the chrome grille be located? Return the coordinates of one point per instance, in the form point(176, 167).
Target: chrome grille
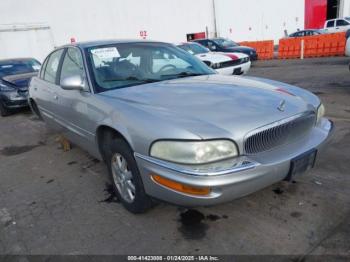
point(279, 133)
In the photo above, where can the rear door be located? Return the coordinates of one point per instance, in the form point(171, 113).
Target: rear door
point(341, 25)
point(44, 88)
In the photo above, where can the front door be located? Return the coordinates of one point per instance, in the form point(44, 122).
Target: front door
point(75, 106)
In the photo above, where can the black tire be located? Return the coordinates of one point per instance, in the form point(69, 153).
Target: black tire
point(3, 110)
point(141, 202)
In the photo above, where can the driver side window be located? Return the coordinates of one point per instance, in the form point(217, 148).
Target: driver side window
point(73, 65)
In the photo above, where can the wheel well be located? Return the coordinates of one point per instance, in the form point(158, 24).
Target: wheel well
point(34, 108)
point(104, 135)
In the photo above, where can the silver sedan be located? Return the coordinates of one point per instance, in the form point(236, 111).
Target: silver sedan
point(169, 128)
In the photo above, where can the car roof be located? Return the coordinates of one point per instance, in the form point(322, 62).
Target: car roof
point(186, 43)
point(109, 42)
point(16, 59)
point(215, 38)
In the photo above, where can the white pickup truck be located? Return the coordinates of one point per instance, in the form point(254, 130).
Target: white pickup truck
point(337, 25)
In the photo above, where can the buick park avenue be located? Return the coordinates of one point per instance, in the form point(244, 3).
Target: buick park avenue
point(170, 128)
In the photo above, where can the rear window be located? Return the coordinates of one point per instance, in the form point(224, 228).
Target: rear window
point(52, 66)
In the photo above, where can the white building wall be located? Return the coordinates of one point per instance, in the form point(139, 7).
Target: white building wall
point(259, 19)
point(344, 8)
point(164, 20)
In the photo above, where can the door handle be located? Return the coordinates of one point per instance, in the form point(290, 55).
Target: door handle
point(55, 97)
point(35, 89)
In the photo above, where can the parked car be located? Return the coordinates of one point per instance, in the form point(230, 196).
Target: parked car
point(308, 32)
point(227, 46)
point(180, 133)
point(337, 25)
point(223, 63)
point(15, 75)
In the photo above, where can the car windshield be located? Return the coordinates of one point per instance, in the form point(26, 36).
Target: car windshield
point(128, 64)
point(347, 18)
point(225, 42)
point(194, 49)
point(15, 67)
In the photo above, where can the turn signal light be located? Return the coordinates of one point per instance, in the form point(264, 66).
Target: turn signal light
point(200, 191)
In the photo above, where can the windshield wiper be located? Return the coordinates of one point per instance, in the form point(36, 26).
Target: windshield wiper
point(132, 78)
point(182, 74)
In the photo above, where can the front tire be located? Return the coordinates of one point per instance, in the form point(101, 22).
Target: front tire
point(126, 178)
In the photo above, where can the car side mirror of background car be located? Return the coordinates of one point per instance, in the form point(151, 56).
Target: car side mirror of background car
point(75, 82)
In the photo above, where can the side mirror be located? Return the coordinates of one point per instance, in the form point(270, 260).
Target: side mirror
point(76, 82)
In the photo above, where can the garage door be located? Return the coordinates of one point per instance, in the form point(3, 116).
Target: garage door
point(25, 41)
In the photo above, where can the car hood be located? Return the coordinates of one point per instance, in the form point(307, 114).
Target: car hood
point(20, 80)
point(214, 57)
point(213, 104)
point(220, 57)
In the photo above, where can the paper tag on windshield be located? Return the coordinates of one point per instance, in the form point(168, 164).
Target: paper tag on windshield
point(106, 53)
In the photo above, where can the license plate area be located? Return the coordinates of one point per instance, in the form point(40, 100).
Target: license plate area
point(301, 164)
point(237, 71)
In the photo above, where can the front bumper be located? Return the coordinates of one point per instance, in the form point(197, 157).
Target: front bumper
point(13, 100)
point(253, 57)
point(230, 70)
point(249, 175)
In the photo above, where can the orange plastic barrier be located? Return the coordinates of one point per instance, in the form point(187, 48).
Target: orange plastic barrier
point(314, 46)
point(264, 49)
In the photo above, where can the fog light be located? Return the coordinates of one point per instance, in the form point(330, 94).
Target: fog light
point(200, 191)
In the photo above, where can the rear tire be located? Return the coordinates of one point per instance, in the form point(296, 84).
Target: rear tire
point(126, 178)
point(3, 110)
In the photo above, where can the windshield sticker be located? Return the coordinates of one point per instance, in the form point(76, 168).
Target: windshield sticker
point(106, 53)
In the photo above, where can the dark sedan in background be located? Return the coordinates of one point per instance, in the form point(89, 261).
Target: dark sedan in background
point(308, 32)
point(15, 75)
point(227, 46)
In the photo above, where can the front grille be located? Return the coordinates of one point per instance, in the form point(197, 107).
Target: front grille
point(279, 133)
point(230, 63)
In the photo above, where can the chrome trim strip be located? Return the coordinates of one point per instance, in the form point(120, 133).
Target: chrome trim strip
point(245, 165)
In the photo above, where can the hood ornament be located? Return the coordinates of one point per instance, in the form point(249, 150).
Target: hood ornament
point(282, 106)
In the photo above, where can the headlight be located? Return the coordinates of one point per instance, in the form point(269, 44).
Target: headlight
point(194, 152)
point(6, 88)
point(320, 112)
